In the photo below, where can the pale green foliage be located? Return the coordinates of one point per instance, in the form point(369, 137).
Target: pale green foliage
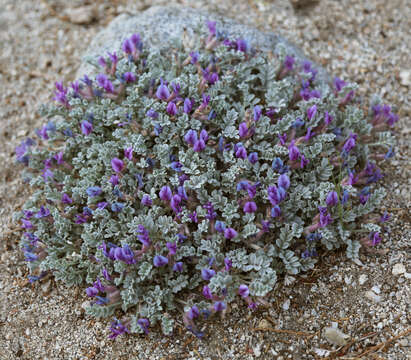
point(74, 251)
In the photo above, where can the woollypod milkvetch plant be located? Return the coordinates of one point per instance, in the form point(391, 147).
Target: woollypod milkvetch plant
point(179, 180)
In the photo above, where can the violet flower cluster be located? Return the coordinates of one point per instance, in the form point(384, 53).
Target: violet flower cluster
point(176, 182)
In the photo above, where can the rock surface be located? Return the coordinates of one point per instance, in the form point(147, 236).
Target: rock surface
point(159, 25)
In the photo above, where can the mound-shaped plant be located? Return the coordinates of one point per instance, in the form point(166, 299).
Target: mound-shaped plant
point(180, 180)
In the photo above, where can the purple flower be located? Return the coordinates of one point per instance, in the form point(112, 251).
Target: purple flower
point(392, 119)
point(43, 212)
point(114, 179)
point(364, 199)
point(91, 291)
point(207, 292)
point(162, 92)
point(242, 185)
point(325, 217)
point(175, 203)
point(282, 138)
point(253, 157)
point(101, 205)
point(293, 151)
point(160, 261)
point(193, 312)
point(242, 45)
point(339, 84)
point(144, 324)
point(193, 217)
point(277, 164)
point(181, 191)
point(228, 264)
point(332, 198)
point(106, 275)
point(172, 248)
point(188, 105)
point(274, 194)
point(284, 181)
point(165, 193)
point(144, 237)
point(191, 137)
point(385, 217)
point(289, 62)
point(390, 153)
point(153, 114)
point(110, 253)
point(275, 211)
point(124, 254)
point(307, 66)
point(206, 100)
point(327, 118)
point(311, 112)
point(350, 143)
point(211, 215)
point(199, 145)
point(243, 291)
point(113, 58)
point(243, 130)
point(230, 233)
point(250, 207)
point(86, 127)
point(220, 226)
point(204, 135)
point(129, 77)
point(257, 113)
point(345, 197)
point(211, 27)
point(81, 219)
point(194, 57)
point(220, 306)
point(117, 165)
point(87, 80)
point(178, 267)
point(146, 200)
point(241, 153)
point(105, 83)
point(47, 173)
point(172, 108)
point(128, 153)
point(348, 97)
point(375, 238)
point(309, 134)
point(117, 207)
point(93, 191)
point(59, 158)
point(207, 274)
point(304, 162)
point(127, 46)
point(136, 40)
point(65, 199)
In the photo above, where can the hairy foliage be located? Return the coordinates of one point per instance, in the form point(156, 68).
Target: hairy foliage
point(265, 167)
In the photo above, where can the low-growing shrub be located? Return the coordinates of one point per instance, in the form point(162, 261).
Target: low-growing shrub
point(178, 180)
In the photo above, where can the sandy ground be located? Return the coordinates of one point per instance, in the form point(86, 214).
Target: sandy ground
point(365, 41)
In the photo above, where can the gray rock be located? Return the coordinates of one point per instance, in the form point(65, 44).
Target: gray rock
point(159, 25)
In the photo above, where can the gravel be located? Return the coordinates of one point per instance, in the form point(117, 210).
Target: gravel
point(365, 41)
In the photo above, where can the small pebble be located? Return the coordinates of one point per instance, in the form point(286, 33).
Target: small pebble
point(335, 336)
point(362, 279)
point(286, 304)
point(398, 269)
point(372, 296)
point(376, 289)
point(405, 77)
point(264, 324)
